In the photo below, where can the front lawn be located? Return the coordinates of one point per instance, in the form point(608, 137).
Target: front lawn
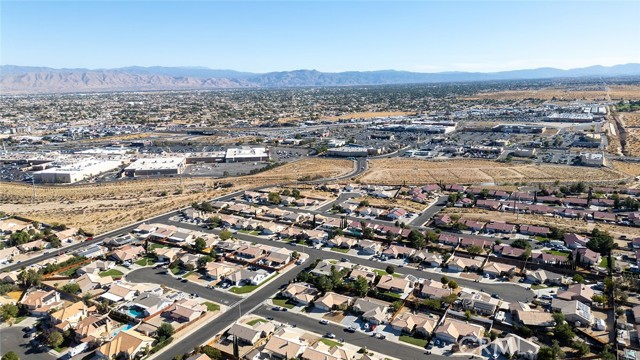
point(392, 294)
point(18, 319)
point(250, 232)
point(255, 321)
point(245, 289)
point(413, 341)
point(174, 270)
point(145, 261)
point(211, 306)
point(604, 263)
point(187, 274)
point(558, 253)
point(70, 272)
point(156, 246)
point(340, 250)
point(283, 303)
point(330, 343)
point(111, 272)
point(538, 287)
point(382, 273)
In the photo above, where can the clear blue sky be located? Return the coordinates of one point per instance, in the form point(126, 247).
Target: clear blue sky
point(264, 36)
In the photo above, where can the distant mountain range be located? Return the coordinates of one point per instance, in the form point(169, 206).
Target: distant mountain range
point(33, 80)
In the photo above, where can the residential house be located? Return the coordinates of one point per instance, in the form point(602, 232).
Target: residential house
point(448, 239)
point(127, 344)
point(188, 260)
point(369, 247)
point(473, 225)
point(270, 228)
point(398, 252)
point(371, 310)
point(247, 334)
point(285, 344)
point(186, 310)
point(325, 268)
point(301, 293)
point(40, 302)
point(483, 243)
point(500, 227)
point(92, 281)
point(511, 346)
point(118, 292)
point(249, 252)
point(69, 317)
point(94, 327)
point(459, 264)
point(542, 276)
point(92, 251)
point(167, 254)
point(181, 236)
point(278, 258)
point(317, 237)
point(361, 271)
point(452, 330)
point(389, 283)
point(575, 312)
point(9, 226)
point(410, 323)
point(434, 289)
point(427, 258)
point(535, 230)
point(586, 256)
point(333, 301)
point(574, 241)
point(67, 235)
point(149, 303)
point(144, 230)
point(498, 269)
point(342, 242)
point(580, 292)
point(34, 246)
point(96, 267)
point(127, 253)
point(489, 204)
point(218, 270)
point(7, 254)
point(244, 276)
point(443, 220)
point(507, 250)
point(163, 232)
point(522, 313)
point(479, 302)
point(322, 351)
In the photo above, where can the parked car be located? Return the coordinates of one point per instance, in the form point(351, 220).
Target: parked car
point(330, 335)
point(324, 322)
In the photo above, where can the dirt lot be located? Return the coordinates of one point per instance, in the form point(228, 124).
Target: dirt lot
point(630, 119)
point(104, 207)
point(545, 94)
point(627, 92)
point(414, 171)
point(391, 203)
point(631, 168)
point(632, 147)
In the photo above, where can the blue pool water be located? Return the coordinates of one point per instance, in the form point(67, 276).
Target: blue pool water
point(135, 312)
point(124, 328)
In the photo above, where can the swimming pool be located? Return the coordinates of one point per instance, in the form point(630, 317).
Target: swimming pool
point(124, 328)
point(135, 313)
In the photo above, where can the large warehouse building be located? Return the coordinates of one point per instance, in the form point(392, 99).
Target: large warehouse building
point(156, 166)
point(243, 154)
point(72, 173)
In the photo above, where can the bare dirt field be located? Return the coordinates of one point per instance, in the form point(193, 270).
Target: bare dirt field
point(630, 119)
point(413, 171)
point(631, 168)
point(544, 94)
point(626, 92)
point(632, 147)
point(103, 207)
point(392, 203)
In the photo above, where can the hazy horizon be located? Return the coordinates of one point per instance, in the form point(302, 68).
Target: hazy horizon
point(265, 36)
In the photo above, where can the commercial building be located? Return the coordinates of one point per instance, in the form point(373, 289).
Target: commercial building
point(245, 154)
point(571, 117)
point(156, 166)
point(348, 151)
point(593, 159)
point(519, 128)
point(206, 157)
point(78, 171)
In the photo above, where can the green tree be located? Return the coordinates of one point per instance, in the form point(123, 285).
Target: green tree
point(225, 235)
point(558, 318)
point(204, 260)
point(10, 356)
point(452, 284)
point(212, 352)
point(71, 288)
point(564, 333)
point(396, 305)
point(601, 242)
point(53, 338)
point(416, 239)
point(361, 286)
point(474, 249)
point(467, 315)
point(295, 193)
point(274, 198)
point(581, 347)
point(8, 312)
point(30, 277)
point(54, 241)
point(546, 353)
point(598, 298)
point(390, 269)
point(444, 280)
point(521, 244)
point(200, 244)
point(578, 278)
point(164, 332)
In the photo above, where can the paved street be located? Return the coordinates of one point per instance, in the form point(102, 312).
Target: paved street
point(430, 212)
point(155, 276)
point(338, 201)
point(11, 339)
point(361, 339)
